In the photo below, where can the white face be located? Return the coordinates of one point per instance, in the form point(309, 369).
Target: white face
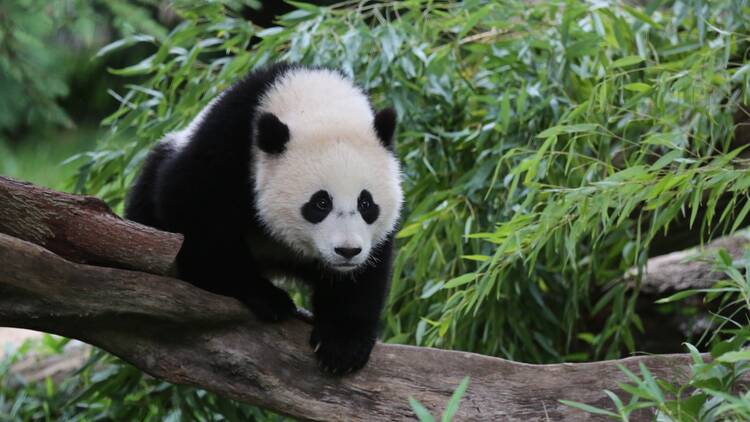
point(334, 192)
point(333, 201)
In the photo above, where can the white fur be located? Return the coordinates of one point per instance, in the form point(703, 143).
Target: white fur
point(333, 146)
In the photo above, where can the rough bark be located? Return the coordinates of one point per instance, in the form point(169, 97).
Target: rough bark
point(83, 229)
point(684, 270)
point(176, 332)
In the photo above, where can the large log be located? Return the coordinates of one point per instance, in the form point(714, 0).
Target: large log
point(182, 334)
point(688, 269)
point(178, 333)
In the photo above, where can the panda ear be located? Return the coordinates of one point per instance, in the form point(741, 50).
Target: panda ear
point(385, 126)
point(271, 133)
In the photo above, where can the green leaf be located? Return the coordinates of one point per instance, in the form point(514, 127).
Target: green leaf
point(735, 356)
point(741, 216)
point(141, 68)
point(588, 408)
point(431, 289)
point(460, 280)
point(480, 258)
point(724, 257)
point(122, 43)
point(693, 404)
point(422, 413)
point(556, 130)
point(666, 159)
point(694, 353)
point(626, 61)
point(270, 32)
point(680, 295)
point(452, 407)
point(637, 87)
point(409, 230)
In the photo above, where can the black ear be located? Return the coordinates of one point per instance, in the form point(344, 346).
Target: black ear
point(385, 126)
point(272, 134)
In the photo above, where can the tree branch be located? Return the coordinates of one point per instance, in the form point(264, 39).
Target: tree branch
point(83, 229)
point(682, 270)
point(184, 335)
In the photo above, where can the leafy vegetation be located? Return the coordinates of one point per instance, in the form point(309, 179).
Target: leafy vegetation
point(45, 45)
point(106, 388)
point(712, 390)
point(545, 147)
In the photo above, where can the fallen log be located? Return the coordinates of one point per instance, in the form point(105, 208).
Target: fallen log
point(684, 270)
point(179, 333)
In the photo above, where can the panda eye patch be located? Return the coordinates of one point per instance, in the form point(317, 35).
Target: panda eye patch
point(317, 207)
point(367, 207)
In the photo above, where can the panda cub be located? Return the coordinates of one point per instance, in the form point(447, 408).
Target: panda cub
point(289, 172)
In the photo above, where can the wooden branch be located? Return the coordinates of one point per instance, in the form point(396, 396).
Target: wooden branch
point(683, 270)
point(181, 334)
point(184, 335)
point(83, 229)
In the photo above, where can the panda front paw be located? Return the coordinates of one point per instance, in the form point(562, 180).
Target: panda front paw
point(340, 353)
point(273, 306)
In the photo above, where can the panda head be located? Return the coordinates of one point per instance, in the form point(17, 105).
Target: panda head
point(326, 180)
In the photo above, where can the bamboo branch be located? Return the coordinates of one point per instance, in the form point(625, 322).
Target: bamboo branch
point(179, 333)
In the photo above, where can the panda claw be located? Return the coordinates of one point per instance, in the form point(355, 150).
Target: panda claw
point(317, 347)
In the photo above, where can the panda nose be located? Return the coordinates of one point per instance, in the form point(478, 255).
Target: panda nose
point(348, 253)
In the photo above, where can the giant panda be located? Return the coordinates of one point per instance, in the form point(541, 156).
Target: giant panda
point(289, 172)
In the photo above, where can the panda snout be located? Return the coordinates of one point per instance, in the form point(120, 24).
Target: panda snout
point(348, 253)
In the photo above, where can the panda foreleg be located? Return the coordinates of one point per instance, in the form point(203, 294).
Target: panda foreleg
point(346, 318)
point(223, 265)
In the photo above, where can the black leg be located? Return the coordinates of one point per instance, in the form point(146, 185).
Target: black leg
point(345, 325)
point(223, 265)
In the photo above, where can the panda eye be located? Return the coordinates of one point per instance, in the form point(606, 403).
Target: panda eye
point(323, 204)
point(364, 204)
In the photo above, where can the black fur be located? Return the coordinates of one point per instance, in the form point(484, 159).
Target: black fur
point(385, 126)
point(367, 207)
point(318, 207)
point(205, 191)
point(272, 134)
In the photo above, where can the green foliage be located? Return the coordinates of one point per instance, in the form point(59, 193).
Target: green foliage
point(713, 391)
point(41, 46)
point(107, 389)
